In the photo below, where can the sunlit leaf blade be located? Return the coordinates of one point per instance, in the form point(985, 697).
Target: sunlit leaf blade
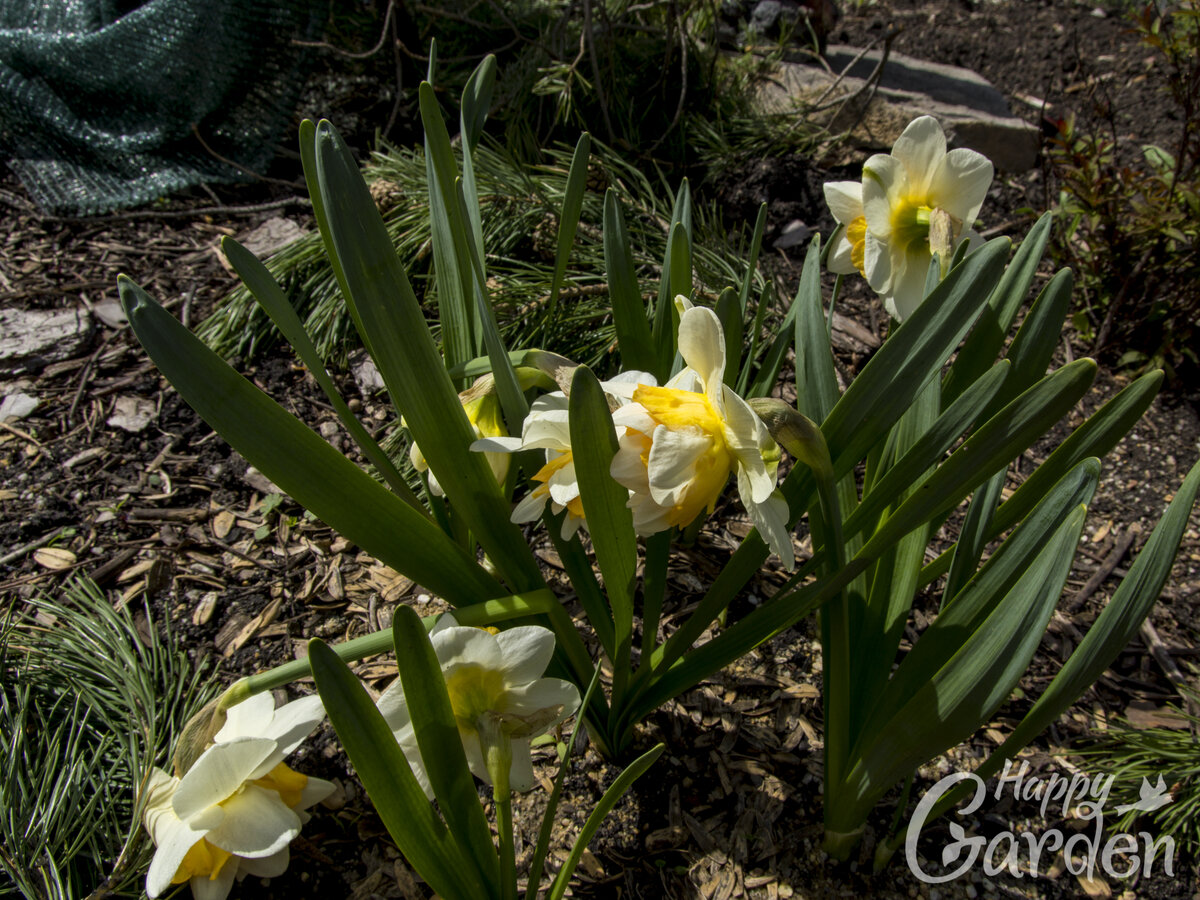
point(985, 342)
point(629, 312)
point(992, 446)
point(568, 218)
point(475, 103)
point(910, 357)
point(756, 239)
point(609, 520)
point(969, 687)
point(729, 314)
point(1113, 629)
point(1095, 437)
point(388, 779)
point(441, 746)
point(303, 463)
point(939, 437)
point(666, 319)
point(767, 376)
point(614, 793)
point(579, 570)
point(461, 337)
point(410, 365)
point(816, 381)
point(268, 293)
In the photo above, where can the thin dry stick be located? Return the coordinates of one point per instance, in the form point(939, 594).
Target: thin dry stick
point(1076, 600)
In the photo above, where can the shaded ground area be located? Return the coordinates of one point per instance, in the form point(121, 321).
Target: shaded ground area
point(165, 514)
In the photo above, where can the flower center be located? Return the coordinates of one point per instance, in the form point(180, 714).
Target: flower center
point(203, 860)
point(910, 222)
point(473, 691)
point(546, 472)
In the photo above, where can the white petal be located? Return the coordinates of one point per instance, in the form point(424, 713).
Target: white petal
point(770, 518)
point(648, 517)
point(394, 708)
point(520, 773)
point(497, 445)
point(702, 344)
point(564, 485)
point(845, 200)
point(172, 837)
point(217, 775)
point(406, 737)
point(877, 263)
point(291, 724)
point(464, 646)
point(474, 753)
point(248, 718)
point(628, 470)
point(672, 463)
point(266, 866)
point(526, 651)
point(884, 182)
point(840, 261)
point(687, 379)
point(571, 523)
point(920, 148)
point(257, 823)
point(544, 694)
point(315, 790)
point(215, 888)
point(960, 184)
point(908, 287)
point(529, 509)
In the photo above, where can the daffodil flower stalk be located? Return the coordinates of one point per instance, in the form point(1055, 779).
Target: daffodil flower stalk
point(234, 811)
point(913, 204)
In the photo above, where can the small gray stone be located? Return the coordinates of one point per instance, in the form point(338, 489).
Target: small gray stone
point(17, 406)
point(132, 414)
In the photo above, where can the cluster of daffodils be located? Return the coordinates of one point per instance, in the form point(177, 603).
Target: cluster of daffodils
point(497, 693)
point(914, 204)
point(238, 806)
point(678, 445)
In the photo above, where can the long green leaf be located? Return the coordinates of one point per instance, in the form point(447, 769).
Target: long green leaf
point(440, 743)
point(634, 338)
point(910, 357)
point(303, 463)
point(730, 316)
point(1095, 437)
point(967, 689)
point(614, 793)
point(409, 362)
point(385, 773)
point(756, 239)
point(609, 519)
point(816, 380)
point(271, 297)
point(996, 443)
point(982, 347)
point(568, 217)
point(475, 103)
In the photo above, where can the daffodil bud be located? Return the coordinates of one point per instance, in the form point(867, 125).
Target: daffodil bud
point(197, 736)
point(796, 433)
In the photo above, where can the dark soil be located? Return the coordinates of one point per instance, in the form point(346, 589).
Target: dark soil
point(167, 517)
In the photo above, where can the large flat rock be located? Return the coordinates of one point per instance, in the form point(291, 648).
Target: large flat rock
point(32, 338)
point(971, 110)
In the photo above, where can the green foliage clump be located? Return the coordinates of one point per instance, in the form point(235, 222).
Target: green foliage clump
point(89, 702)
point(1132, 232)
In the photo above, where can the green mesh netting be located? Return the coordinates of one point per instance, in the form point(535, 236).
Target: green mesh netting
point(101, 101)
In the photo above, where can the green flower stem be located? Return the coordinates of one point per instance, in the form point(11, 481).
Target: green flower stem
point(497, 748)
point(477, 614)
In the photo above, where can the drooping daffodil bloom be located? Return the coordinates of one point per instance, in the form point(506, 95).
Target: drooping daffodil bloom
point(915, 203)
point(547, 428)
point(481, 403)
point(234, 812)
point(495, 687)
point(678, 444)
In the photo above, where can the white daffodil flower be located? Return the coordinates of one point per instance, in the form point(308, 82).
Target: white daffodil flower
point(495, 686)
point(914, 203)
point(482, 406)
point(234, 812)
point(547, 428)
point(679, 443)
